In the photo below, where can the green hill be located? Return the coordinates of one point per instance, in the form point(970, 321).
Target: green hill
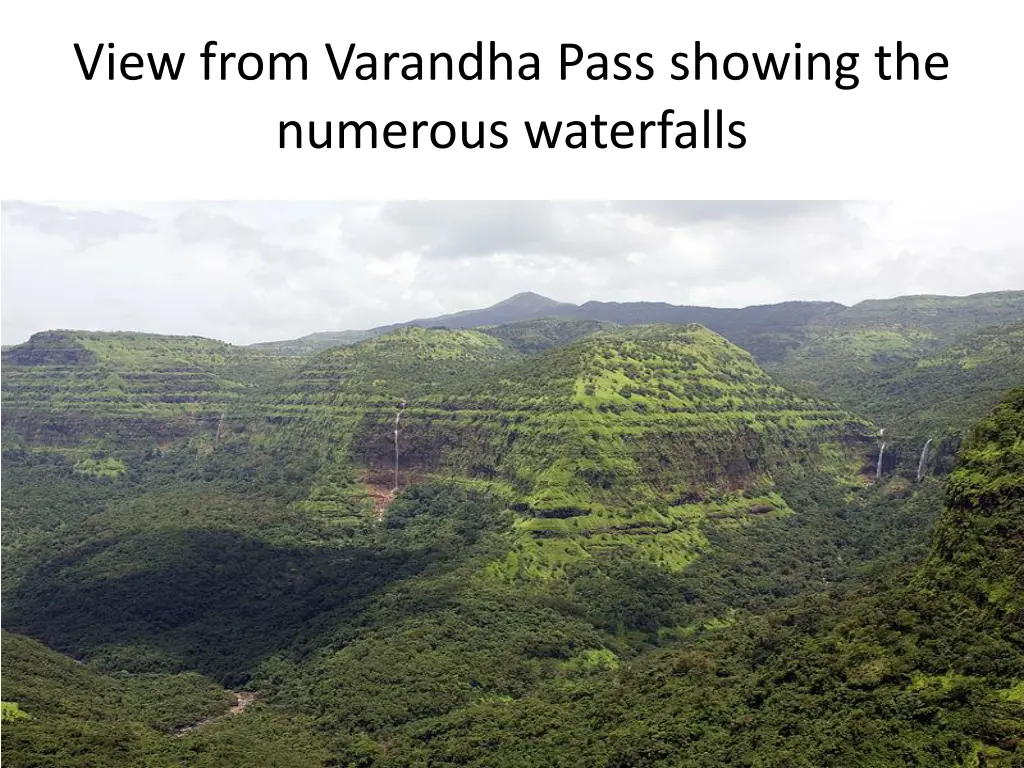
point(929, 398)
point(949, 389)
point(945, 316)
point(521, 307)
point(869, 357)
point(436, 656)
point(313, 343)
point(768, 331)
point(71, 715)
point(979, 546)
point(876, 336)
point(68, 389)
point(626, 438)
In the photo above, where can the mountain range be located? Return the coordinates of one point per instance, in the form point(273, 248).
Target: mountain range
point(536, 534)
point(941, 315)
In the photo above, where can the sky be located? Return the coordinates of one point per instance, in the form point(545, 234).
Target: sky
point(244, 272)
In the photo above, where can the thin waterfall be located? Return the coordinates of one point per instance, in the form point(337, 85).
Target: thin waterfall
point(398, 416)
point(881, 453)
point(924, 458)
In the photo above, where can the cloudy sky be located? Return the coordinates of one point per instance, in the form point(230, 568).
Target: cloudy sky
point(257, 271)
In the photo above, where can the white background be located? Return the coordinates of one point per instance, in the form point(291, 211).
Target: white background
point(64, 137)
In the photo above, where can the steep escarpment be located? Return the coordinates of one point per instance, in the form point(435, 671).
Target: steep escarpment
point(123, 391)
point(625, 438)
point(641, 438)
point(644, 386)
point(919, 398)
point(637, 438)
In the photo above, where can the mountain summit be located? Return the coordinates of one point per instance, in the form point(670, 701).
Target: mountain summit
point(522, 306)
point(528, 301)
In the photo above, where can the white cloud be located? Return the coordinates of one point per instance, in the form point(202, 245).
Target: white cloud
point(248, 272)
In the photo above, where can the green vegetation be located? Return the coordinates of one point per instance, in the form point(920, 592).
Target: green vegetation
point(435, 660)
point(313, 343)
point(927, 394)
point(611, 546)
point(919, 364)
point(532, 337)
point(622, 439)
point(10, 712)
point(979, 549)
point(74, 716)
point(904, 675)
point(769, 331)
point(84, 392)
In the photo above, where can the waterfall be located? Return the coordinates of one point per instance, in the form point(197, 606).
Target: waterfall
point(881, 453)
point(397, 417)
point(924, 458)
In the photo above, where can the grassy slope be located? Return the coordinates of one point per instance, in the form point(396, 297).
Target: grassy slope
point(642, 435)
point(626, 438)
point(313, 343)
point(949, 389)
point(532, 337)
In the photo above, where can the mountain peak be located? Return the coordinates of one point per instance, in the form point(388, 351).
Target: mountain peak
point(527, 305)
point(529, 298)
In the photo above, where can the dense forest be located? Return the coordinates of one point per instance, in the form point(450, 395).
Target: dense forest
point(535, 535)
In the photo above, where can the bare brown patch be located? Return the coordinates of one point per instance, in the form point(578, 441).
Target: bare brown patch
point(380, 487)
point(242, 700)
point(382, 498)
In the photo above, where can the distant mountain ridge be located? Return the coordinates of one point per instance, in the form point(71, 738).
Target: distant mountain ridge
point(766, 330)
point(521, 306)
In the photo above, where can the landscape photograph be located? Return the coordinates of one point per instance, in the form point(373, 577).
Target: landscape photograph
point(512, 484)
